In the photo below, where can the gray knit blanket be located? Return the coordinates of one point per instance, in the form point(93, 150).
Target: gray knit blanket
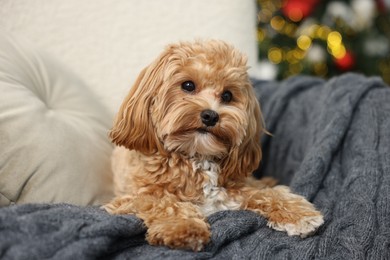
point(330, 142)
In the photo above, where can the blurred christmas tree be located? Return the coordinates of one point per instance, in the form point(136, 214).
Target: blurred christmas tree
point(325, 38)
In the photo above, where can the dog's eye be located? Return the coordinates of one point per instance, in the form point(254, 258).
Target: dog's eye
point(188, 86)
point(227, 96)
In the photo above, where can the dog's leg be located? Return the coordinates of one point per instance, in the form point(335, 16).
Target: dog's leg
point(121, 205)
point(264, 182)
point(169, 222)
point(284, 210)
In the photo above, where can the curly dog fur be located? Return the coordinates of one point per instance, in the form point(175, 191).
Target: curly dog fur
point(188, 136)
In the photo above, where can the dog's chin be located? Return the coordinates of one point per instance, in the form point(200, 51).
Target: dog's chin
point(199, 142)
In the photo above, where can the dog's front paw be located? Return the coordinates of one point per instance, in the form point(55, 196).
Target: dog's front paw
point(191, 234)
point(304, 227)
point(292, 213)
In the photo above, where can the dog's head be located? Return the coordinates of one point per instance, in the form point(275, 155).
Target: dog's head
point(195, 99)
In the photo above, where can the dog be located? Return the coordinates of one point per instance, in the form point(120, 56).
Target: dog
point(188, 139)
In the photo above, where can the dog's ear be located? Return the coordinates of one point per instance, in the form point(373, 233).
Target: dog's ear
point(244, 159)
point(133, 127)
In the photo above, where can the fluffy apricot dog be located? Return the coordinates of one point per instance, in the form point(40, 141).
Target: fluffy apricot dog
point(188, 140)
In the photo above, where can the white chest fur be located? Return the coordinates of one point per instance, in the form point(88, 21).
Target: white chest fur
point(215, 197)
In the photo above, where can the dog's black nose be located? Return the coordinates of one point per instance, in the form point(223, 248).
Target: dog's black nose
point(209, 117)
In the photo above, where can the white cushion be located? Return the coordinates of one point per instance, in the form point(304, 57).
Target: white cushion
point(53, 133)
point(108, 42)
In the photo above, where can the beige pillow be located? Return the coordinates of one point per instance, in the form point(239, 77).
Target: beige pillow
point(53, 131)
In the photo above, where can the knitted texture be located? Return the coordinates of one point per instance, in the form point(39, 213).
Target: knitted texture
point(330, 142)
